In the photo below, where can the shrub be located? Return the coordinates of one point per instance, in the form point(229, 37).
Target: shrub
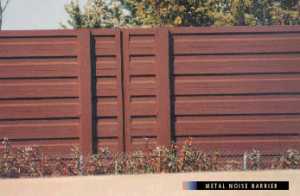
point(32, 162)
point(289, 160)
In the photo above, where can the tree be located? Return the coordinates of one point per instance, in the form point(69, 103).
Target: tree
point(101, 13)
point(3, 6)
point(96, 14)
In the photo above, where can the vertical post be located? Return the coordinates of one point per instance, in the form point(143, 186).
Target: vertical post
point(126, 95)
point(164, 110)
point(86, 92)
point(120, 82)
point(245, 157)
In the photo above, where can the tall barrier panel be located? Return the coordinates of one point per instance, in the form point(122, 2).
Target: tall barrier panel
point(146, 81)
point(230, 89)
point(108, 98)
point(237, 88)
point(39, 89)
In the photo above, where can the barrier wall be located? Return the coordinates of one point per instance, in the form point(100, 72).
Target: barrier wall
point(230, 88)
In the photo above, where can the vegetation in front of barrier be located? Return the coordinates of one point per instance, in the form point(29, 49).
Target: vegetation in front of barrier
point(32, 162)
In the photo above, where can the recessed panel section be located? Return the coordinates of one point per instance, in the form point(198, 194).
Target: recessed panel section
point(38, 88)
point(141, 44)
point(141, 65)
point(143, 105)
point(237, 84)
point(107, 86)
point(105, 45)
point(108, 127)
point(235, 43)
point(106, 66)
point(143, 125)
point(241, 105)
point(236, 64)
point(39, 109)
point(107, 107)
point(38, 47)
point(142, 85)
point(38, 68)
point(39, 129)
point(267, 125)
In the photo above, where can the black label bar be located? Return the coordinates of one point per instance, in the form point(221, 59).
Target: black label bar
point(236, 185)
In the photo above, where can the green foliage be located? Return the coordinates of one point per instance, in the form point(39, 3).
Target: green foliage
point(254, 159)
point(32, 162)
point(96, 14)
point(118, 13)
point(290, 159)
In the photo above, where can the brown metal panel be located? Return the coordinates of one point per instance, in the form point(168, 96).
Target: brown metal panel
point(237, 84)
point(240, 44)
point(241, 105)
point(108, 80)
point(142, 124)
point(38, 48)
point(237, 125)
point(141, 87)
point(141, 108)
point(142, 43)
point(235, 64)
point(107, 107)
point(40, 129)
point(164, 105)
point(38, 68)
point(120, 99)
point(39, 89)
point(32, 109)
point(105, 63)
point(43, 88)
point(146, 79)
point(105, 45)
point(108, 127)
point(126, 83)
point(107, 86)
point(141, 64)
point(86, 94)
point(236, 88)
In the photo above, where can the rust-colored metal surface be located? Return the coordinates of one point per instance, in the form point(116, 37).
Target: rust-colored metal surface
point(39, 89)
point(107, 77)
point(231, 89)
point(146, 87)
point(237, 88)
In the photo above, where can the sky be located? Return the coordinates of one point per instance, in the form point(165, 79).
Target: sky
point(35, 14)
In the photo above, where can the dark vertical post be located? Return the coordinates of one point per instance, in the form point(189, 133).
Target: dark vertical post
point(164, 108)
point(126, 95)
point(85, 92)
point(121, 134)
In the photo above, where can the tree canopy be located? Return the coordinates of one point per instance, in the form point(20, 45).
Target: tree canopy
point(120, 13)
